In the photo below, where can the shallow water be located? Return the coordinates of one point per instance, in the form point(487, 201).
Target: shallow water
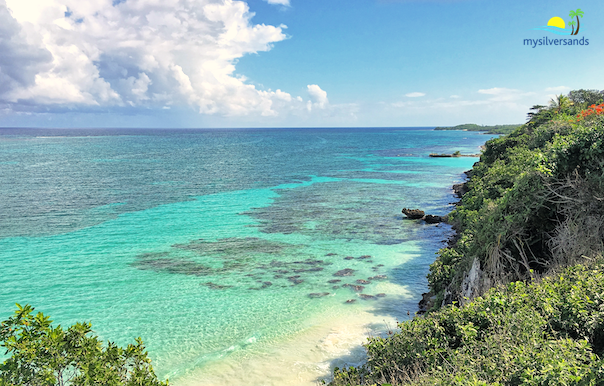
point(223, 249)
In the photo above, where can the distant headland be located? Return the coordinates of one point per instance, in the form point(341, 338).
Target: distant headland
point(496, 129)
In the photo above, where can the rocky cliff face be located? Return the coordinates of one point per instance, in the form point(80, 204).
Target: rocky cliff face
point(475, 283)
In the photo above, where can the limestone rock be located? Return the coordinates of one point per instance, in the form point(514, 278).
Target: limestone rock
point(414, 214)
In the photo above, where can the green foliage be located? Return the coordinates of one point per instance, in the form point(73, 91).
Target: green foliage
point(45, 355)
point(585, 98)
point(547, 332)
point(495, 129)
point(534, 205)
point(511, 210)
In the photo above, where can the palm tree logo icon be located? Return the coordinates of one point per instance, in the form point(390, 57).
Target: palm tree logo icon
point(576, 14)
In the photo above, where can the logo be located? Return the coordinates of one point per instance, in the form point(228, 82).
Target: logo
point(558, 26)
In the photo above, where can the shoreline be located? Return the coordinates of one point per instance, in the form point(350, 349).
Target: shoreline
point(425, 303)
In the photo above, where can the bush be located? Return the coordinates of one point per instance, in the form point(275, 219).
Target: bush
point(548, 332)
point(45, 355)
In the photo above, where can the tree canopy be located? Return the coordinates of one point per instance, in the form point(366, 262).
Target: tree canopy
point(44, 355)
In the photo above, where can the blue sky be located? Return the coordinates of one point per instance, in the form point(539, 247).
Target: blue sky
point(286, 63)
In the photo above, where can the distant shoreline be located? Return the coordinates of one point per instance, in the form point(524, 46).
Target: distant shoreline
point(496, 129)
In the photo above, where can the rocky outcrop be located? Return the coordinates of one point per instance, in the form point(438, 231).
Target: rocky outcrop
point(475, 282)
point(414, 214)
point(430, 219)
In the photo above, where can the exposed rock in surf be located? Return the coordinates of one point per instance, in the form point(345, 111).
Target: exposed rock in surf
point(413, 214)
point(351, 301)
point(431, 219)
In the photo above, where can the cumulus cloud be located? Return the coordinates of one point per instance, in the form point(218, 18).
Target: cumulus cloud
point(318, 97)
point(20, 59)
point(415, 94)
point(147, 53)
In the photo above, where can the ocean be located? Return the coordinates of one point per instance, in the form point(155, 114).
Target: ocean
point(240, 256)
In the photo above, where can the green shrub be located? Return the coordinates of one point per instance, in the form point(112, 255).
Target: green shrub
point(547, 332)
point(45, 355)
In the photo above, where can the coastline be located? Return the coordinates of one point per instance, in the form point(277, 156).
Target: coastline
point(426, 302)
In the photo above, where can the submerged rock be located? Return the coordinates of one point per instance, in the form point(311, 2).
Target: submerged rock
point(334, 281)
point(318, 295)
point(361, 281)
point(351, 301)
point(378, 277)
point(365, 257)
point(355, 288)
point(381, 295)
point(331, 254)
point(215, 286)
point(367, 297)
point(345, 272)
point(348, 258)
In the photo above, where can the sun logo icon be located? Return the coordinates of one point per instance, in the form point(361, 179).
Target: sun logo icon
point(558, 26)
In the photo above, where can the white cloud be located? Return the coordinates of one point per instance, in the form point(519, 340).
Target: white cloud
point(20, 59)
point(415, 94)
point(282, 2)
point(497, 91)
point(502, 94)
point(317, 96)
point(90, 53)
point(454, 97)
point(558, 89)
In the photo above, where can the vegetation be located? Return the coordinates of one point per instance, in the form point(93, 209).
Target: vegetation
point(531, 230)
point(496, 129)
point(548, 332)
point(45, 355)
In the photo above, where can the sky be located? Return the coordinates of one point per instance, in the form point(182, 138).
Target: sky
point(289, 63)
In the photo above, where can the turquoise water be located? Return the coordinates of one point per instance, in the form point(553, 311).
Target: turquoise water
point(232, 253)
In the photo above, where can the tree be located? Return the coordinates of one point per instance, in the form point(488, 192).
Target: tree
point(47, 356)
point(576, 14)
point(560, 102)
point(586, 97)
point(572, 23)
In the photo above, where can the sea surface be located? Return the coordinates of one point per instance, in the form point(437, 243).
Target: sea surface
point(234, 254)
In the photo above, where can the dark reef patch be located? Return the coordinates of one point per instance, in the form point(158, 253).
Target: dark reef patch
point(345, 272)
